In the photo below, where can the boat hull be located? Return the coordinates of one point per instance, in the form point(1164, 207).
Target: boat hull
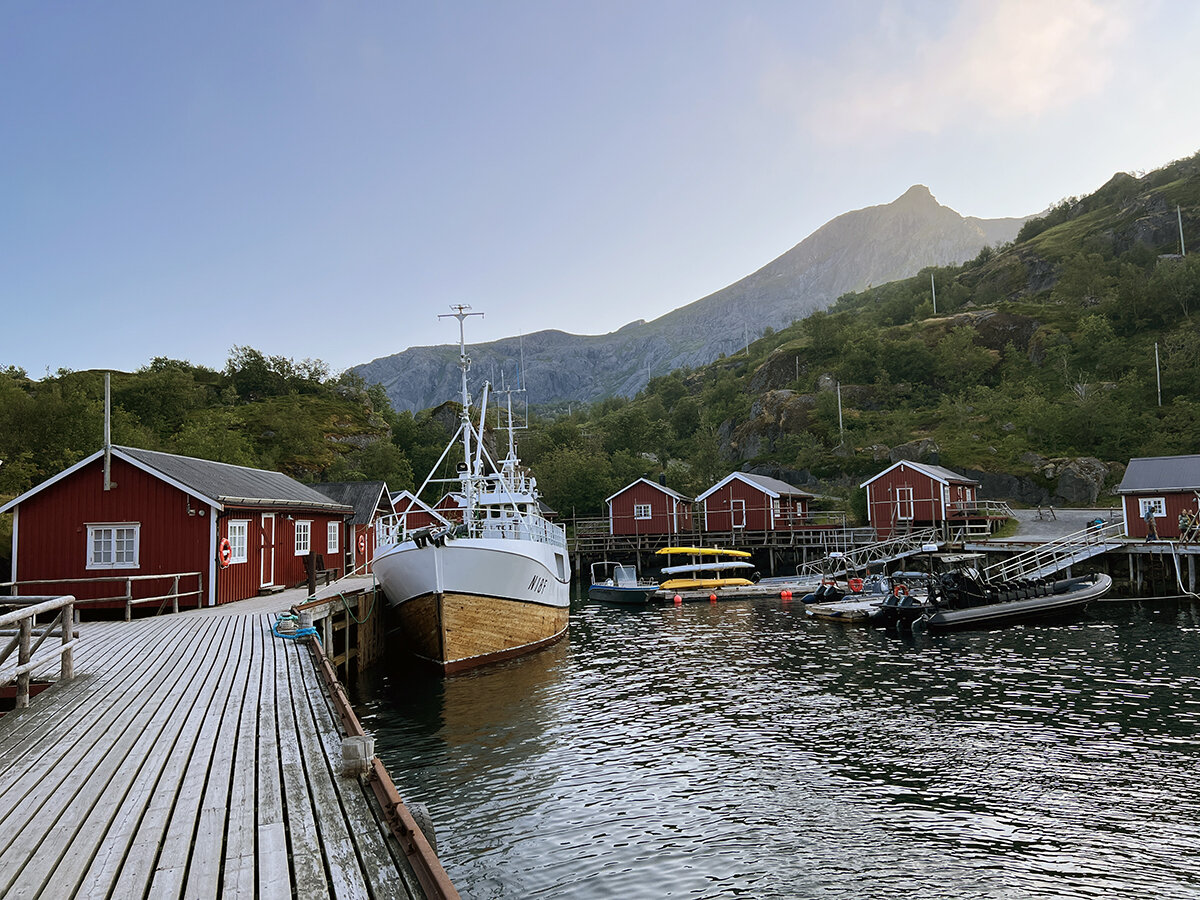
point(1070, 601)
point(474, 601)
point(628, 596)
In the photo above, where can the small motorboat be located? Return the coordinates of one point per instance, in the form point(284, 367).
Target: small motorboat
point(962, 599)
point(614, 582)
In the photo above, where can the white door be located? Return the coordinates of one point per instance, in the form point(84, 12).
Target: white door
point(904, 503)
point(268, 549)
point(737, 512)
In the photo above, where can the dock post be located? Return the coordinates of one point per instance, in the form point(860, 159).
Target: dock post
point(26, 630)
point(175, 594)
point(67, 625)
point(128, 599)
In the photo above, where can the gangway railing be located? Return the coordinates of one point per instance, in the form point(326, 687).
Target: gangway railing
point(873, 554)
point(174, 594)
point(24, 617)
point(1058, 554)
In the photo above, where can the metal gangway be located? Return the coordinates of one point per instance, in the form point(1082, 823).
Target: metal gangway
point(1058, 554)
point(873, 555)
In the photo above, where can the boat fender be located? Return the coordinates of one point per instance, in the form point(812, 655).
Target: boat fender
point(900, 590)
point(225, 552)
point(420, 814)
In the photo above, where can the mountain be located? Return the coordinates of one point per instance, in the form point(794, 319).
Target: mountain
point(853, 251)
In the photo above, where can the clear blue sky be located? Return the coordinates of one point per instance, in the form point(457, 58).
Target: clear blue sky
point(321, 179)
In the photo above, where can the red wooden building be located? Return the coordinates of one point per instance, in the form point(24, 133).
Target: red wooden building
point(415, 513)
point(648, 508)
point(233, 530)
point(1167, 486)
point(370, 500)
point(451, 506)
point(909, 495)
point(741, 501)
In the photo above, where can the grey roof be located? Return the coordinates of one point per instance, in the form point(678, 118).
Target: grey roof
point(233, 485)
point(774, 484)
point(1161, 473)
point(367, 498)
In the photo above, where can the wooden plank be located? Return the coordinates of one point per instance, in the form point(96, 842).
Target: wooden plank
point(335, 841)
point(375, 856)
point(274, 876)
point(126, 852)
point(69, 758)
point(238, 877)
point(109, 824)
point(176, 806)
point(43, 827)
point(203, 874)
point(308, 865)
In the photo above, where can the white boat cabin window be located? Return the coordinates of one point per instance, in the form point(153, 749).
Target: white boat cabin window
point(641, 510)
point(113, 546)
point(303, 535)
point(1157, 504)
point(238, 530)
point(331, 538)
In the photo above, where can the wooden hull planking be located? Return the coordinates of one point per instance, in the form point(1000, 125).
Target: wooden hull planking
point(457, 632)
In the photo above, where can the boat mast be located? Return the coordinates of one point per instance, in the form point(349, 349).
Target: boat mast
point(464, 363)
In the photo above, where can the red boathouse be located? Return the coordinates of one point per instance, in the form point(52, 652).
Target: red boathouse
point(644, 507)
point(1169, 488)
point(910, 495)
point(370, 500)
point(741, 502)
point(234, 530)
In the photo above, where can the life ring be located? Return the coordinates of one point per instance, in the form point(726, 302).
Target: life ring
point(900, 591)
point(225, 552)
point(856, 585)
point(362, 544)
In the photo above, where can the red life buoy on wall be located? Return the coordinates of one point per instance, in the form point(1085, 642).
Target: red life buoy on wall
point(225, 552)
point(362, 544)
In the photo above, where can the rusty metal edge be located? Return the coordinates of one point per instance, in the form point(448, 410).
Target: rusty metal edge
point(421, 856)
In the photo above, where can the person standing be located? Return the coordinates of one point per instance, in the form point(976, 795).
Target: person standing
point(1151, 529)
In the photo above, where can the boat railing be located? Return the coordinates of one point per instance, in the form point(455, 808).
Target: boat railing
point(24, 617)
point(1057, 554)
point(876, 554)
point(392, 530)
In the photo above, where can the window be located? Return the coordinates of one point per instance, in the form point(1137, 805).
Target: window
point(1157, 504)
point(113, 546)
point(303, 530)
point(331, 538)
point(238, 530)
point(641, 510)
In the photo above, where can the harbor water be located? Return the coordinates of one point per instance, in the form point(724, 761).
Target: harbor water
point(742, 749)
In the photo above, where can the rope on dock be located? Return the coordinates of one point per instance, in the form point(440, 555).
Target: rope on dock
point(296, 633)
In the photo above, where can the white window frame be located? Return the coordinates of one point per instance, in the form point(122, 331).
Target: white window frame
point(239, 540)
point(1158, 503)
point(332, 530)
point(98, 528)
point(643, 511)
point(303, 537)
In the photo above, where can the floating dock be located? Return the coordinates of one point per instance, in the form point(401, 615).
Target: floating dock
point(200, 755)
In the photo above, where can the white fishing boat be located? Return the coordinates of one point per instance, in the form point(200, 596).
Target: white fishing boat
point(496, 584)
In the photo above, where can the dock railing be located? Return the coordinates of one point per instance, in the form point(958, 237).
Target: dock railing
point(128, 581)
point(24, 618)
point(1057, 554)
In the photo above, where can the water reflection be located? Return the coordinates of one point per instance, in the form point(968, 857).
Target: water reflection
point(744, 750)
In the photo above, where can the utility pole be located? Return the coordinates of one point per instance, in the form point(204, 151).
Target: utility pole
point(1158, 373)
point(1179, 214)
point(933, 289)
point(841, 431)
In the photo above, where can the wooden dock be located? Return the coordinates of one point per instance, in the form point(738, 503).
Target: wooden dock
point(197, 755)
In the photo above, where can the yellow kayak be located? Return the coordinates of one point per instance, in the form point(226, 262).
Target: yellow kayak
point(685, 584)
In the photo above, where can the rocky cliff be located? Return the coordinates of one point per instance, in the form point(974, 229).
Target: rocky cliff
point(855, 250)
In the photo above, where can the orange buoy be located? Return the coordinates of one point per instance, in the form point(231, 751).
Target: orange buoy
point(712, 598)
point(678, 599)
